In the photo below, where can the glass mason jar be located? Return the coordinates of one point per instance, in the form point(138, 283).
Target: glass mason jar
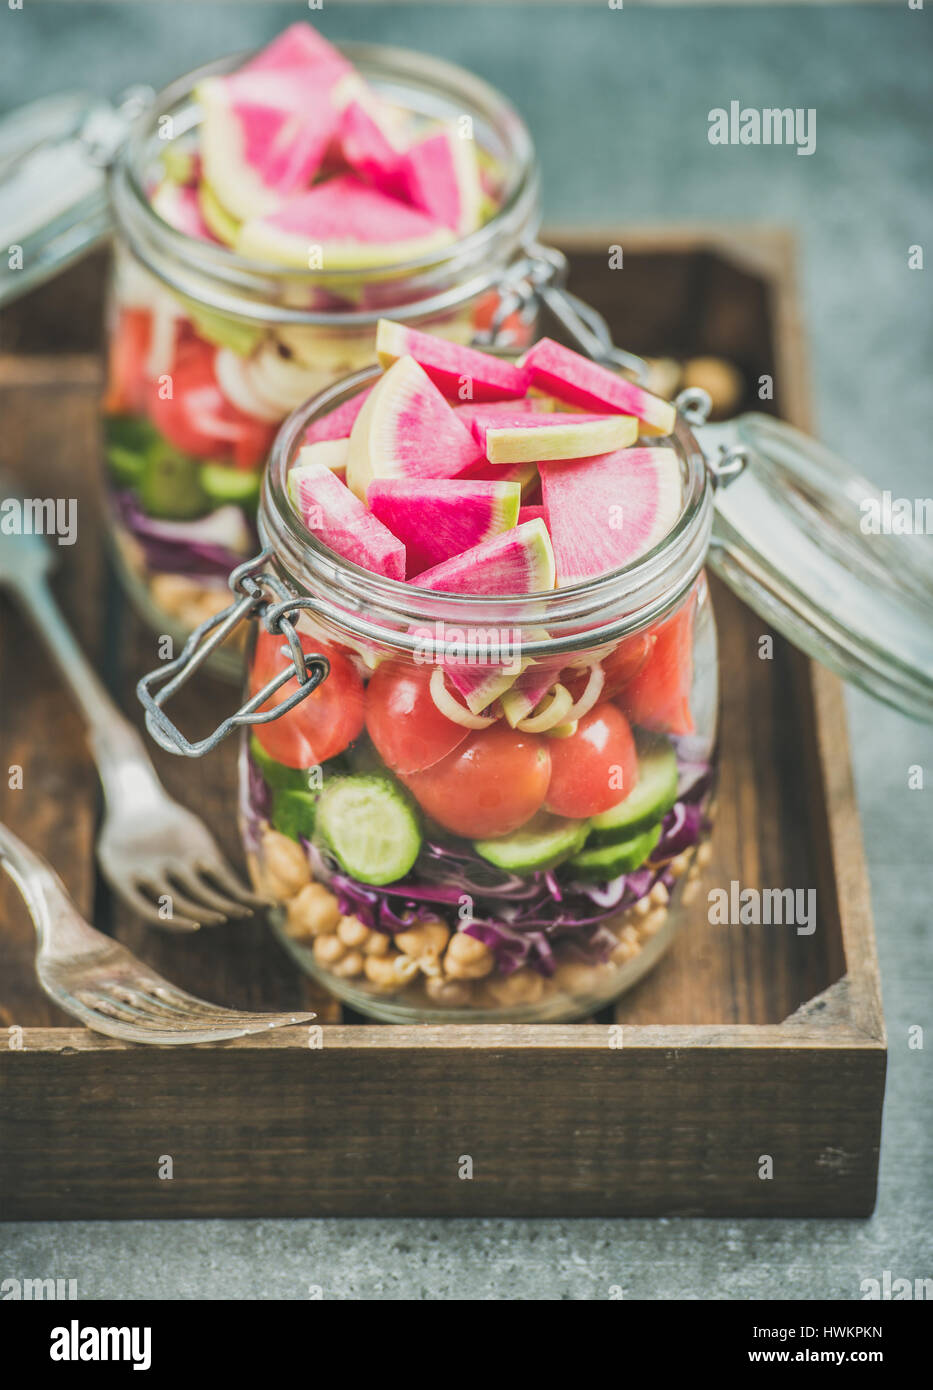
point(454, 883)
point(249, 342)
point(429, 867)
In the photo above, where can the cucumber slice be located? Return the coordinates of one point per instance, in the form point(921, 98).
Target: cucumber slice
point(223, 484)
point(125, 465)
point(277, 775)
point(169, 486)
point(542, 843)
point(294, 812)
point(652, 797)
point(606, 862)
point(130, 432)
point(369, 825)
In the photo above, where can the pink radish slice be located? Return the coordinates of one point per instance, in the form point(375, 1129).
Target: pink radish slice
point(585, 384)
point(438, 518)
point(331, 513)
point(604, 512)
point(461, 373)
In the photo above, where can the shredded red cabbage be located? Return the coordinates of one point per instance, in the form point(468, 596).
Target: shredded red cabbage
point(523, 920)
point(176, 554)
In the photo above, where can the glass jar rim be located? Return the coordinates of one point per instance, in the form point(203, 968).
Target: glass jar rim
point(396, 613)
point(218, 277)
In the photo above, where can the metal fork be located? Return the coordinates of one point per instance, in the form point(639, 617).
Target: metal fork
point(150, 848)
point(99, 982)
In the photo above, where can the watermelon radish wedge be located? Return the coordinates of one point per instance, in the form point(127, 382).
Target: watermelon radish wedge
point(440, 175)
point(520, 561)
point(300, 46)
point(407, 430)
point(369, 151)
point(338, 423)
point(461, 373)
point(557, 437)
point(262, 140)
point(604, 512)
point(438, 518)
point(331, 512)
point(481, 414)
point(342, 224)
point(587, 386)
point(332, 453)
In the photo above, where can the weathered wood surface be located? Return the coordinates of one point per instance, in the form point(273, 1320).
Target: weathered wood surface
point(557, 1121)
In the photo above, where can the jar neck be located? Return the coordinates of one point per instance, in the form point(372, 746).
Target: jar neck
point(399, 615)
point(216, 277)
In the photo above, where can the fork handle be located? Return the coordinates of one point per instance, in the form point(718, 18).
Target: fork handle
point(118, 750)
point(59, 927)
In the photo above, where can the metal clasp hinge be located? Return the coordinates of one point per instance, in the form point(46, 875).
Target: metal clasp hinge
point(253, 584)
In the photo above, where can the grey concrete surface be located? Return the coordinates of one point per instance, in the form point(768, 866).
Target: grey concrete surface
point(618, 102)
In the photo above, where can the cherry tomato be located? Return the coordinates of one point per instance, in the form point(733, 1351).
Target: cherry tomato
point(484, 312)
point(619, 667)
point(126, 375)
point(658, 697)
point(596, 767)
point(490, 785)
point(408, 729)
point(325, 722)
point(197, 417)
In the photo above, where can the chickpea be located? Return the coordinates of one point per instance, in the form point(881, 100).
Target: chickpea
point(625, 951)
point(704, 854)
point(350, 965)
point(453, 994)
point(378, 944)
point(664, 376)
point(575, 977)
point(721, 379)
point(690, 891)
point(174, 592)
point(284, 866)
point(390, 972)
point(466, 958)
point(353, 932)
point(659, 894)
point(328, 949)
point(522, 987)
point(680, 865)
point(425, 943)
point(653, 923)
point(642, 907)
point(313, 911)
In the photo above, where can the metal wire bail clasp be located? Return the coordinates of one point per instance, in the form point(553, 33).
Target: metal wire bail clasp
point(255, 586)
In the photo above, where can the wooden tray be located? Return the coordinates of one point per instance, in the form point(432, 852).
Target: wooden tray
point(744, 1042)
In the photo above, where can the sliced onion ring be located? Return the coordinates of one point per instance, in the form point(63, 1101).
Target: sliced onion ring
point(452, 708)
point(563, 730)
point(551, 712)
point(591, 693)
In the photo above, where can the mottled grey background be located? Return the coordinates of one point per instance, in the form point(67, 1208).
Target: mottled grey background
point(617, 102)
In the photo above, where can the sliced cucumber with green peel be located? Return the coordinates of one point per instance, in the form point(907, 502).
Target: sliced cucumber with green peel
point(370, 826)
point(652, 797)
point(131, 432)
point(294, 812)
point(223, 484)
point(545, 841)
point(126, 466)
point(606, 862)
point(276, 775)
point(169, 486)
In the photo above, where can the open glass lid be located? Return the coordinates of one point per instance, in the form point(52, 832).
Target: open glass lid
point(54, 205)
point(844, 571)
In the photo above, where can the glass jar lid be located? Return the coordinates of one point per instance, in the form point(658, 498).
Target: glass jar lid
point(841, 569)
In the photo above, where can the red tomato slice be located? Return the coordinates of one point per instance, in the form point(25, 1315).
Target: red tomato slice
point(126, 375)
point(596, 767)
point(490, 785)
point(619, 667)
point(325, 722)
point(408, 729)
point(658, 697)
point(198, 419)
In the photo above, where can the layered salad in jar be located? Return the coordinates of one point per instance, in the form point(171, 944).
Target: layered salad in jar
point(300, 167)
point(485, 838)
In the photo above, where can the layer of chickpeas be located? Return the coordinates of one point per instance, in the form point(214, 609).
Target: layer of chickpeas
point(429, 962)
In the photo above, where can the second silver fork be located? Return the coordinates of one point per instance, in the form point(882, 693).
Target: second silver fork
point(159, 857)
